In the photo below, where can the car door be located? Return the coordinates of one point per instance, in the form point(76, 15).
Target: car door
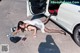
point(68, 14)
point(36, 6)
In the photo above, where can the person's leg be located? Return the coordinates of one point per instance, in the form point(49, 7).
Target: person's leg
point(54, 31)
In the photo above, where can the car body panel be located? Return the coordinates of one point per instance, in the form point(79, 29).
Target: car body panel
point(27, 7)
point(68, 16)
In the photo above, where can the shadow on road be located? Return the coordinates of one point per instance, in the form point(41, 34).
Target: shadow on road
point(49, 46)
point(0, 0)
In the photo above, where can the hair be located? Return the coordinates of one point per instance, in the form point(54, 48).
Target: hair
point(18, 26)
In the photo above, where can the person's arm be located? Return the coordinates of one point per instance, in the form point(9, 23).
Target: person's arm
point(46, 20)
point(31, 28)
point(34, 31)
point(15, 32)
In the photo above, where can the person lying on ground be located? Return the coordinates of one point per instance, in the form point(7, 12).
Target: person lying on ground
point(34, 25)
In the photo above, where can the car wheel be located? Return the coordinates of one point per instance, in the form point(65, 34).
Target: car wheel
point(77, 35)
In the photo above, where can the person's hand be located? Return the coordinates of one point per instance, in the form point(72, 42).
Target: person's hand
point(35, 36)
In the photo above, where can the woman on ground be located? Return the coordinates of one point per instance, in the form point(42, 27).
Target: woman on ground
point(34, 25)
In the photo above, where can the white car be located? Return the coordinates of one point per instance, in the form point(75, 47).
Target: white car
point(66, 15)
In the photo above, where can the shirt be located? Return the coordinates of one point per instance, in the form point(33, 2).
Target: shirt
point(36, 22)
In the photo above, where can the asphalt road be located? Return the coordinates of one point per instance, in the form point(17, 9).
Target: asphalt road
point(12, 11)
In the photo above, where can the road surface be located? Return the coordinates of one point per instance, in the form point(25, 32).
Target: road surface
point(12, 11)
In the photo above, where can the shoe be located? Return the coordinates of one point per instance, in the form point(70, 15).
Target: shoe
point(24, 38)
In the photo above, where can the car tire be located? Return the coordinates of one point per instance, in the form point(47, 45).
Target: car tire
point(76, 35)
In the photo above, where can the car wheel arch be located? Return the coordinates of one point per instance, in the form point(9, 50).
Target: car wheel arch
point(76, 27)
point(76, 36)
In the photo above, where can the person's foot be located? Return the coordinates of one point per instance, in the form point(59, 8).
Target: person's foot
point(62, 32)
